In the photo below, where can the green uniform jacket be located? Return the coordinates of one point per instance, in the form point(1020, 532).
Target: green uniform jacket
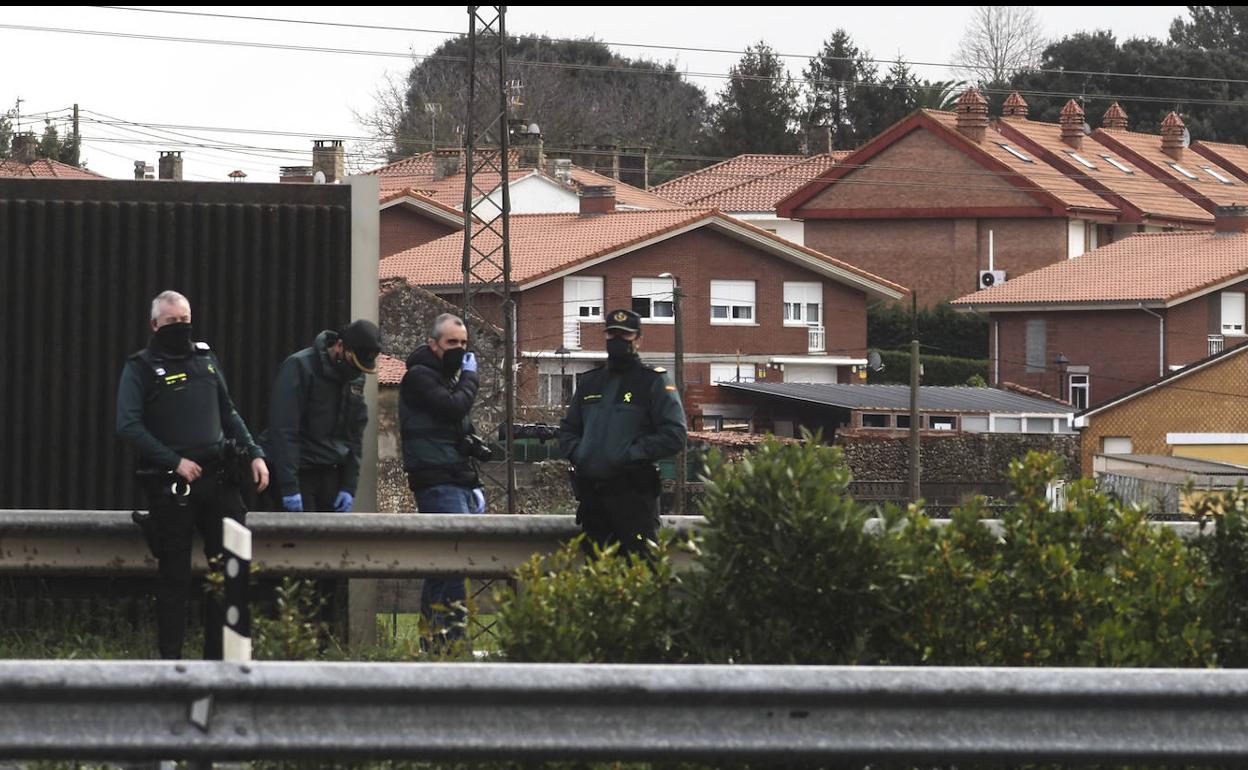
point(316, 418)
point(620, 418)
point(174, 407)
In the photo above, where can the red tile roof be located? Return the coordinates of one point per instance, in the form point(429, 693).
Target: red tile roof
point(420, 196)
point(1152, 268)
point(390, 370)
point(417, 173)
point(762, 194)
point(1039, 173)
point(544, 245)
point(1230, 156)
point(1153, 198)
point(743, 171)
point(625, 194)
point(45, 169)
point(1146, 148)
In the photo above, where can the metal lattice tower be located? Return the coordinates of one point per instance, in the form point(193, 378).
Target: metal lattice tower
point(487, 249)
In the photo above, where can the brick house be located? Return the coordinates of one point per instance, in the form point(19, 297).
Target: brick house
point(422, 197)
point(1091, 329)
point(1200, 411)
point(755, 307)
point(920, 203)
point(749, 187)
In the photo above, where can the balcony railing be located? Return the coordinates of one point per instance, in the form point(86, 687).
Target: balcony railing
point(1216, 343)
point(815, 339)
point(572, 333)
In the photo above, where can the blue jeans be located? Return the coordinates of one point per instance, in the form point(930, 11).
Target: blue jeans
point(445, 591)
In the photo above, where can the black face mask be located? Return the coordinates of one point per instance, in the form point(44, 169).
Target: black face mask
point(620, 351)
point(174, 338)
point(452, 360)
point(347, 371)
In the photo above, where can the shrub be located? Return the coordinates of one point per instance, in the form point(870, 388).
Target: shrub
point(608, 609)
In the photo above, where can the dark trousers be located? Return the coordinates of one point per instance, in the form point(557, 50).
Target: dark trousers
point(612, 512)
point(175, 519)
point(439, 595)
point(319, 485)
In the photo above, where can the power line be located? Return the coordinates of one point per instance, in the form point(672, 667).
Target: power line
point(600, 68)
point(666, 47)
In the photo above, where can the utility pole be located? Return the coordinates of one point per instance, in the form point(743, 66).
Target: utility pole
point(682, 459)
point(914, 397)
point(486, 257)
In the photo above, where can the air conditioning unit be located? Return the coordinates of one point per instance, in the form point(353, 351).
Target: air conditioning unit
point(990, 278)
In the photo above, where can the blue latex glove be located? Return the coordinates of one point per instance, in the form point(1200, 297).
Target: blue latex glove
point(344, 501)
point(293, 503)
point(470, 362)
point(478, 498)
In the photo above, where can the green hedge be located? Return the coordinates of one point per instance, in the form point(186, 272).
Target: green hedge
point(940, 328)
point(937, 370)
point(787, 575)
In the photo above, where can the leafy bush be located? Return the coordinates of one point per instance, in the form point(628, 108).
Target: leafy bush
point(788, 572)
point(1091, 584)
point(608, 609)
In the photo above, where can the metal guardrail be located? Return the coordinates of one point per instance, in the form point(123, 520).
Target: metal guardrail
point(45, 542)
point(223, 711)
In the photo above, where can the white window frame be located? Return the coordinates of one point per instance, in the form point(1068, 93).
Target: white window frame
point(1015, 152)
point(800, 293)
point(729, 373)
point(1086, 163)
point(655, 290)
point(1183, 171)
point(1233, 322)
point(1082, 382)
point(731, 294)
point(1118, 164)
point(1119, 443)
point(578, 293)
point(1213, 172)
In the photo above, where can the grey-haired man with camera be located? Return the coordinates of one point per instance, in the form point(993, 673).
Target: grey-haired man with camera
point(440, 446)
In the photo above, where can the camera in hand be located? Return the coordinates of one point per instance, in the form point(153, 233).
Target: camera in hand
point(476, 447)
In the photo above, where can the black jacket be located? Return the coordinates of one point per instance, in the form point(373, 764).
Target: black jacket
point(316, 418)
point(622, 417)
point(434, 416)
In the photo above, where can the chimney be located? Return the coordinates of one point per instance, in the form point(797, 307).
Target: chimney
point(1015, 107)
point(328, 157)
point(1230, 220)
point(561, 169)
point(597, 199)
point(1072, 124)
point(1115, 118)
point(972, 111)
point(296, 174)
point(142, 171)
point(1172, 133)
point(446, 163)
point(634, 166)
point(171, 165)
point(25, 146)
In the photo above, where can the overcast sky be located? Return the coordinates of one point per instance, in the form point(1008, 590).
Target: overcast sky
point(191, 88)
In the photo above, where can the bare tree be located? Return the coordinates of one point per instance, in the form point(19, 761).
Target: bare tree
point(1001, 41)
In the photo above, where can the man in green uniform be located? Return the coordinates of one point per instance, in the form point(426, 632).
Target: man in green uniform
point(317, 418)
point(624, 417)
point(174, 409)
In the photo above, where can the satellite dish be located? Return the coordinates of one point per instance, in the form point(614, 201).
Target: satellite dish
point(534, 130)
point(874, 362)
point(318, 177)
point(1187, 137)
point(1087, 129)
